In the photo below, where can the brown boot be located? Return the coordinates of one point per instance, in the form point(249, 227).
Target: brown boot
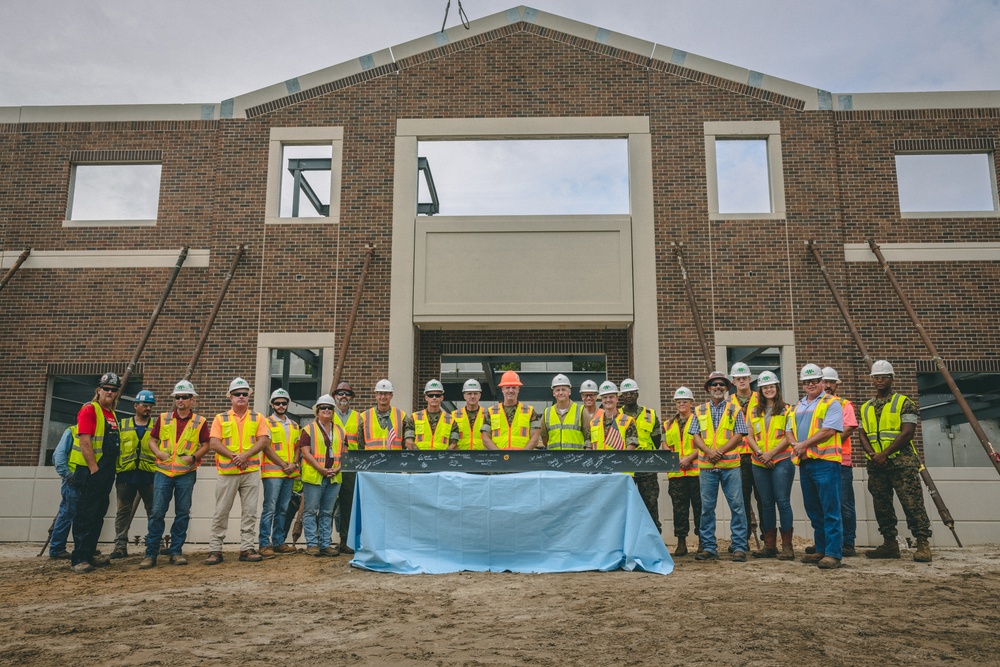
point(787, 553)
point(769, 550)
point(923, 552)
point(682, 547)
point(888, 549)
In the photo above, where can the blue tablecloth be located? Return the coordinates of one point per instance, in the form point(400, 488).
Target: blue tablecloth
point(525, 522)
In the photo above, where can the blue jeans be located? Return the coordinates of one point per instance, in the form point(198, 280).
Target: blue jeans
point(847, 510)
point(317, 515)
point(821, 495)
point(732, 486)
point(775, 488)
point(277, 493)
point(64, 518)
point(181, 488)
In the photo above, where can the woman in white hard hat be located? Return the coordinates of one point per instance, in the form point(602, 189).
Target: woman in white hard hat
point(773, 470)
point(321, 443)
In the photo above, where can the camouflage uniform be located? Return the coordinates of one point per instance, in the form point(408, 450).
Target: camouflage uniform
point(901, 474)
point(685, 492)
point(648, 483)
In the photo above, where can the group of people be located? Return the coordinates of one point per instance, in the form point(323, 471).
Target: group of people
point(743, 441)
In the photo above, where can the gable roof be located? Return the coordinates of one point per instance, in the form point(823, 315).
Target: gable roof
point(521, 18)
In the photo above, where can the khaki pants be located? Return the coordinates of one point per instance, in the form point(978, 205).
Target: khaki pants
point(226, 488)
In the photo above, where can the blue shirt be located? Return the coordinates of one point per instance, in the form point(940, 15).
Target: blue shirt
point(834, 417)
point(60, 457)
point(716, 411)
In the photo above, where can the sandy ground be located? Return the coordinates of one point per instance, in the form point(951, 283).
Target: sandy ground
point(299, 608)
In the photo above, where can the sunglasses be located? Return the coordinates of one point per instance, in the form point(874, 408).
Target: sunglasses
point(110, 390)
point(240, 394)
point(808, 382)
point(183, 397)
point(343, 392)
point(718, 384)
point(279, 404)
point(434, 395)
point(322, 408)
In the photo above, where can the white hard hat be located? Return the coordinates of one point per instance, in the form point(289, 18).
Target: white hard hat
point(588, 387)
point(279, 393)
point(325, 399)
point(766, 379)
point(828, 374)
point(882, 367)
point(811, 372)
point(471, 385)
point(383, 385)
point(183, 387)
point(628, 384)
point(607, 387)
point(433, 385)
point(740, 370)
point(237, 384)
point(561, 381)
point(683, 393)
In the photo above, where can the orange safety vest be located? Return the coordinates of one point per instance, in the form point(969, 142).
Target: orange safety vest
point(284, 450)
point(771, 436)
point(510, 436)
point(375, 435)
point(829, 449)
point(311, 475)
point(716, 438)
point(424, 438)
point(237, 445)
point(677, 438)
point(470, 436)
point(177, 446)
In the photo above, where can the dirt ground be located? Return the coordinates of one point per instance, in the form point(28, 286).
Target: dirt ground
point(298, 608)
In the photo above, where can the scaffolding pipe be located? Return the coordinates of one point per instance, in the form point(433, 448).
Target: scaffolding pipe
point(215, 311)
point(938, 361)
point(709, 361)
point(13, 269)
point(932, 489)
point(338, 370)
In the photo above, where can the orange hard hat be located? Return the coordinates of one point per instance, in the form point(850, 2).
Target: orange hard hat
point(510, 379)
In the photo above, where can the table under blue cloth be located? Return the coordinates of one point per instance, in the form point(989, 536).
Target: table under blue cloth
point(435, 523)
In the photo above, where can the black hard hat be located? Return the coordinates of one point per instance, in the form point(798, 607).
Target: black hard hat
point(110, 378)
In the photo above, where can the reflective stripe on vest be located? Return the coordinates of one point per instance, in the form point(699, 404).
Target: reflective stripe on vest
point(644, 421)
point(621, 420)
point(375, 435)
point(425, 438)
point(133, 451)
point(715, 439)
point(237, 445)
point(566, 433)
point(177, 446)
point(510, 436)
point(770, 437)
point(311, 475)
point(883, 431)
point(350, 427)
point(744, 447)
point(96, 441)
point(284, 450)
point(829, 449)
point(470, 436)
point(679, 440)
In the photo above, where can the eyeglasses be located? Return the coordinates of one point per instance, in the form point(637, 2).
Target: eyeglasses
point(434, 395)
point(110, 390)
point(323, 408)
point(240, 394)
point(183, 397)
point(343, 392)
point(279, 404)
point(809, 382)
point(718, 384)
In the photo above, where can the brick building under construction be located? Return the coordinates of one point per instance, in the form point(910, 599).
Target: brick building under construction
point(590, 294)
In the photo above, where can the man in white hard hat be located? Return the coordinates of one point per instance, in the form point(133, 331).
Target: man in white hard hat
point(278, 473)
point(349, 420)
point(745, 400)
point(179, 440)
point(562, 424)
point(815, 441)
point(588, 396)
point(382, 425)
point(237, 438)
point(647, 425)
point(611, 429)
point(888, 424)
point(717, 429)
point(430, 428)
point(469, 418)
point(511, 424)
point(684, 486)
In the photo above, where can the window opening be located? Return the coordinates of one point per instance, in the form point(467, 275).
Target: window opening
point(299, 372)
point(759, 359)
point(426, 189)
point(742, 175)
point(114, 192)
point(300, 161)
point(69, 393)
point(948, 439)
point(946, 182)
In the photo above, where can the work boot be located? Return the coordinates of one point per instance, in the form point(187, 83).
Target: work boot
point(811, 549)
point(739, 556)
point(769, 550)
point(813, 558)
point(178, 559)
point(100, 561)
point(706, 555)
point(285, 549)
point(888, 549)
point(923, 552)
point(82, 567)
point(313, 551)
point(682, 547)
point(850, 551)
point(147, 563)
point(250, 556)
point(62, 555)
point(787, 552)
point(267, 552)
point(828, 563)
point(329, 551)
point(344, 549)
point(119, 552)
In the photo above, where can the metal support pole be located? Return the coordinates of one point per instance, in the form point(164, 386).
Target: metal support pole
point(938, 361)
point(215, 311)
point(12, 270)
point(338, 370)
point(709, 360)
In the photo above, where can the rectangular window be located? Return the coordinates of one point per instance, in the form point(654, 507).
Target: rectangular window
point(114, 193)
point(761, 350)
point(946, 184)
point(744, 170)
point(299, 372)
point(948, 439)
point(759, 359)
point(304, 175)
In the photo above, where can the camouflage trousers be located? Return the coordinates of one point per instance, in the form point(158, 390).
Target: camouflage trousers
point(648, 484)
point(902, 475)
point(685, 494)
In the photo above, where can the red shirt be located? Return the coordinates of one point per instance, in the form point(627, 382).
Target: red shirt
point(181, 425)
point(86, 420)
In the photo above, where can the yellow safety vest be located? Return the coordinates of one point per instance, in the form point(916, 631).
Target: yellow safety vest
point(96, 441)
point(567, 433)
point(425, 438)
point(744, 447)
point(311, 475)
point(717, 438)
point(232, 442)
point(375, 435)
point(770, 437)
point(622, 421)
point(350, 427)
point(470, 436)
point(282, 446)
point(177, 446)
point(677, 438)
point(510, 436)
point(644, 421)
point(134, 452)
point(883, 431)
point(829, 449)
